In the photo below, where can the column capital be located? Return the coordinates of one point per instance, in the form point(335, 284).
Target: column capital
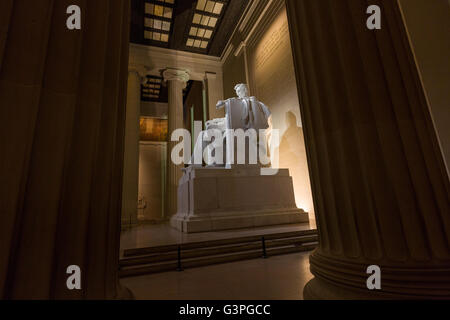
point(139, 70)
point(175, 75)
point(210, 75)
point(239, 49)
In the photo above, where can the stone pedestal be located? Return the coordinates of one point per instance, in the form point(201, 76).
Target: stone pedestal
point(219, 199)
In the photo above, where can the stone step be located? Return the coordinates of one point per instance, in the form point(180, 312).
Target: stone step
point(215, 243)
point(152, 260)
point(222, 249)
point(211, 260)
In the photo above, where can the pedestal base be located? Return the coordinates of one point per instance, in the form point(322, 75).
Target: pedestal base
point(219, 199)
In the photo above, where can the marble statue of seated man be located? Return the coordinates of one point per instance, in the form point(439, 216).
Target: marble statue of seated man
point(242, 112)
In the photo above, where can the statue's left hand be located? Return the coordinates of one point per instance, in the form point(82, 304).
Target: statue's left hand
point(220, 104)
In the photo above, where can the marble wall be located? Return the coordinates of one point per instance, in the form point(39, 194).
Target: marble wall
point(152, 164)
point(423, 18)
point(233, 73)
point(194, 98)
point(154, 109)
point(272, 80)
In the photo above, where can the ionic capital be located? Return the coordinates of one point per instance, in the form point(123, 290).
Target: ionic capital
point(176, 75)
point(138, 70)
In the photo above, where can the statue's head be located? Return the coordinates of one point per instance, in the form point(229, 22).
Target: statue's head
point(241, 90)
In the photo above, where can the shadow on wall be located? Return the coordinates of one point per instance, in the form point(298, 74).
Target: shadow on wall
point(292, 155)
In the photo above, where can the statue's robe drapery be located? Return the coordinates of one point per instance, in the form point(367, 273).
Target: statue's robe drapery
point(246, 113)
point(241, 113)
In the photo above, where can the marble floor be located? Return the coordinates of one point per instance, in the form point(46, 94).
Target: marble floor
point(276, 278)
point(163, 234)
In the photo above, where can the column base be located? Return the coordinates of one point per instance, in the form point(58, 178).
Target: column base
point(339, 279)
point(123, 293)
point(318, 289)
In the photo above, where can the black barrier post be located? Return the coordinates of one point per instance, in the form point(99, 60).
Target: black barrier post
point(179, 268)
point(264, 247)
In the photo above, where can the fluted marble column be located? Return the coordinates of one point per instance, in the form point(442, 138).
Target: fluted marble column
point(136, 74)
point(62, 116)
point(380, 187)
point(176, 81)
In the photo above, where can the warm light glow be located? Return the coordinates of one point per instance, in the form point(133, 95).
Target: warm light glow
point(196, 43)
point(153, 129)
point(272, 68)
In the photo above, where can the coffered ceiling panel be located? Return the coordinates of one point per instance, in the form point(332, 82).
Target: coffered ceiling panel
point(200, 26)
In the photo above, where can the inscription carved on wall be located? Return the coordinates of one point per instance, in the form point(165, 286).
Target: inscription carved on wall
point(272, 70)
point(277, 38)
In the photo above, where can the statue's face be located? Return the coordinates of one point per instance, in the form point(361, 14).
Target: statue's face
point(242, 91)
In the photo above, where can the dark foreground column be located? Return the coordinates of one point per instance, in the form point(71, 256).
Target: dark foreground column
point(62, 112)
point(380, 187)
